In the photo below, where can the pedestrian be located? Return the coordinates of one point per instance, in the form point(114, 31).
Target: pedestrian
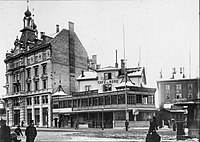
point(56, 122)
point(76, 124)
point(18, 132)
point(126, 125)
point(59, 123)
point(152, 135)
point(153, 125)
point(30, 132)
point(5, 133)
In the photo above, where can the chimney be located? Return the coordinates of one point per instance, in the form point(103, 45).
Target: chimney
point(122, 66)
point(71, 26)
point(161, 74)
point(98, 67)
point(116, 64)
point(181, 70)
point(183, 73)
point(57, 28)
point(82, 73)
point(71, 48)
point(94, 59)
point(42, 34)
point(173, 70)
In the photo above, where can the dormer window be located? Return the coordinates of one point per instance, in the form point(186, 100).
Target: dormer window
point(107, 76)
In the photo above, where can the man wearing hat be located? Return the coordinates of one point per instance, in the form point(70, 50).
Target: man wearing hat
point(30, 132)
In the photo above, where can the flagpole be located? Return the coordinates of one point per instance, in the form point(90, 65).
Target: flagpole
point(125, 76)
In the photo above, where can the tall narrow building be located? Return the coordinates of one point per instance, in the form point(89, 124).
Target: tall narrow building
point(36, 67)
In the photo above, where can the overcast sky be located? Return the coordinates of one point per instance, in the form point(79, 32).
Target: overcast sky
point(165, 30)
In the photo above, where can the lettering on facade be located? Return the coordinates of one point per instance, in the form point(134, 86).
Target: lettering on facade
point(111, 81)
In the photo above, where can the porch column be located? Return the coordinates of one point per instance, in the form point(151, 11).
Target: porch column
point(113, 119)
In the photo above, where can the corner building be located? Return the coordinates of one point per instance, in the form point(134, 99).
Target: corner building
point(36, 67)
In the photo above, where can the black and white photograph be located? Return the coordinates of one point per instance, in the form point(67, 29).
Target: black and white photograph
point(99, 70)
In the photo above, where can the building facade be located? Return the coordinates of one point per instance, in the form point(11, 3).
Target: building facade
point(180, 96)
point(36, 67)
point(106, 98)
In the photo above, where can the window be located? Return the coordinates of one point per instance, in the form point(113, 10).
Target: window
point(44, 55)
point(114, 99)
point(29, 101)
point(44, 84)
point(178, 91)
point(178, 95)
point(190, 93)
point(28, 87)
point(121, 99)
point(44, 69)
point(145, 99)
point(6, 79)
point(37, 116)
point(36, 70)
point(131, 99)
point(87, 87)
point(45, 99)
point(167, 96)
point(178, 87)
point(36, 100)
point(28, 73)
point(36, 85)
point(107, 100)
point(139, 98)
point(151, 99)
point(107, 76)
point(95, 101)
point(28, 61)
point(16, 102)
point(36, 59)
point(167, 87)
point(107, 87)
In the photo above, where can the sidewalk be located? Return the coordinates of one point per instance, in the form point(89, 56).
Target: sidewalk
point(84, 134)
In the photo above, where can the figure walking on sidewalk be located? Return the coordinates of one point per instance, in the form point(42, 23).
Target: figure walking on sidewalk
point(126, 125)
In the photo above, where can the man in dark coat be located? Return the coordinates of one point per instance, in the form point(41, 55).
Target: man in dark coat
point(5, 133)
point(30, 132)
point(126, 125)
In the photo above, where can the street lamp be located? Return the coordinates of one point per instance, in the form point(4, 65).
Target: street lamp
point(102, 117)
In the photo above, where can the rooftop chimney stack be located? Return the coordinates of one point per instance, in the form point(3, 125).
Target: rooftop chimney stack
point(42, 34)
point(122, 66)
point(57, 28)
point(71, 26)
point(181, 71)
point(116, 64)
point(82, 73)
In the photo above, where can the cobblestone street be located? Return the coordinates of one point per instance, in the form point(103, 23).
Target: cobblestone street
point(87, 134)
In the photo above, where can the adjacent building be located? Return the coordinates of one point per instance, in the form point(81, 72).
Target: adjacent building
point(35, 68)
point(180, 97)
